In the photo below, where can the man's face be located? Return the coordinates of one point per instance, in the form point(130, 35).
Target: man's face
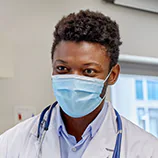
point(83, 58)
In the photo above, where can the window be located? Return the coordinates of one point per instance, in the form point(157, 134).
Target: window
point(139, 89)
point(153, 117)
point(135, 94)
point(136, 98)
point(141, 120)
point(148, 119)
point(152, 90)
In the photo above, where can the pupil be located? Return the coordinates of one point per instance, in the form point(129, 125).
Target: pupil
point(61, 68)
point(89, 71)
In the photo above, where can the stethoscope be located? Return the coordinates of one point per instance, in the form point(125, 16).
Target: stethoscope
point(45, 122)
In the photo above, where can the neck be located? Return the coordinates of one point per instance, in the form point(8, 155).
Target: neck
point(77, 126)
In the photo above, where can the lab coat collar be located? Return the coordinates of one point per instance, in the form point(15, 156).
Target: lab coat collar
point(51, 141)
point(103, 142)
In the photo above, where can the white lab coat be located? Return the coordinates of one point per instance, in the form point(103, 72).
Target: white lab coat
point(21, 141)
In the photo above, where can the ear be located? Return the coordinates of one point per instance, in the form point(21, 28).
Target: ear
point(114, 74)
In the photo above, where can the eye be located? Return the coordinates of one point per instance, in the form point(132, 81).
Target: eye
point(61, 69)
point(89, 72)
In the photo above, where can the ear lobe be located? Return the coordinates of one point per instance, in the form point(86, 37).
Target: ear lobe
point(114, 74)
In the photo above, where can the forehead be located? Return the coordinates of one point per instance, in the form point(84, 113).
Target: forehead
point(81, 52)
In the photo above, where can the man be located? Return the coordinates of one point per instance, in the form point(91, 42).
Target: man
point(84, 58)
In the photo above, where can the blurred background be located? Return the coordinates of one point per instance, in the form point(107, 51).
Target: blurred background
point(26, 29)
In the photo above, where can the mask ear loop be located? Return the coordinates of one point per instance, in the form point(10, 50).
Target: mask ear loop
point(108, 75)
point(103, 93)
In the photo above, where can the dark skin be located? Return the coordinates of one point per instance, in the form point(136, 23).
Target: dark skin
point(87, 59)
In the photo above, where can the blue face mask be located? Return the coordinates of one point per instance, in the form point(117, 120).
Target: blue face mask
point(78, 95)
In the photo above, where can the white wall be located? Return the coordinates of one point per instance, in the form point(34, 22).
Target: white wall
point(28, 25)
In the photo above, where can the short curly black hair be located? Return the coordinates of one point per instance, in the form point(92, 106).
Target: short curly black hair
point(89, 26)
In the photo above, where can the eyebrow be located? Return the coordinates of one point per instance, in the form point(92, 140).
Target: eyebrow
point(62, 61)
point(87, 64)
point(92, 63)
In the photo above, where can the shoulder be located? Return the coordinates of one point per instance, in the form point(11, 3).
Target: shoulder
point(139, 141)
point(22, 128)
point(14, 138)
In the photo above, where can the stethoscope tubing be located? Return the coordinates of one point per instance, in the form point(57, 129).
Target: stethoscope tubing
point(46, 123)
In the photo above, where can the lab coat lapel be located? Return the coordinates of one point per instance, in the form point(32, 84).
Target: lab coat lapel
point(50, 145)
point(103, 143)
